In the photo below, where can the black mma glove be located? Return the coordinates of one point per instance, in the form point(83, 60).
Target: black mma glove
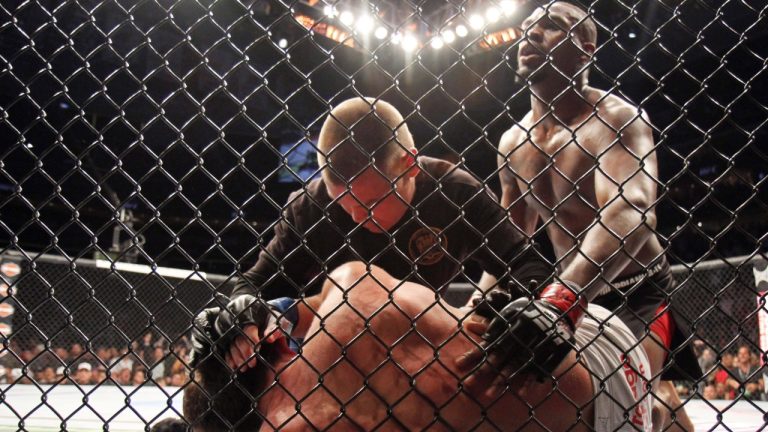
point(540, 330)
point(203, 335)
point(219, 326)
point(489, 304)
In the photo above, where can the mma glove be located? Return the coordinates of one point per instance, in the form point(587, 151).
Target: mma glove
point(533, 335)
point(218, 327)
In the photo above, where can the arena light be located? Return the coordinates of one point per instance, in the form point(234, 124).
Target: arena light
point(508, 7)
point(492, 14)
point(364, 24)
point(476, 22)
point(396, 39)
point(381, 33)
point(330, 31)
point(330, 11)
point(632, 35)
point(461, 31)
point(282, 43)
point(410, 42)
point(437, 42)
point(347, 18)
point(448, 36)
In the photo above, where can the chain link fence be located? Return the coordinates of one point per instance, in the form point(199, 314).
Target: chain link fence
point(152, 146)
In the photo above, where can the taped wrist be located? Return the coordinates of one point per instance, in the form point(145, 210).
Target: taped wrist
point(287, 314)
point(565, 298)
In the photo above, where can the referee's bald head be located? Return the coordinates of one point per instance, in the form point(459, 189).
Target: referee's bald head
point(360, 133)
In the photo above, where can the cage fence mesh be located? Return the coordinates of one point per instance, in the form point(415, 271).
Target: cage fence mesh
point(143, 136)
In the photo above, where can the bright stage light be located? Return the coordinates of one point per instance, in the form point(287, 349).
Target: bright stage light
point(330, 11)
point(448, 36)
point(476, 22)
point(396, 39)
point(381, 33)
point(492, 14)
point(364, 24)
point(437, 42)
point(508, 7)
point(461, 31)
point(410, 42)
point(347, 18)
point(282, 43)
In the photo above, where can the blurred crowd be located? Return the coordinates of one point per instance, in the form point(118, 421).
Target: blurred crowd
point(729, 375)
point(149, 360)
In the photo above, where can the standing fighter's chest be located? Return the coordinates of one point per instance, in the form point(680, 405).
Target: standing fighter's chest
point(552, 170)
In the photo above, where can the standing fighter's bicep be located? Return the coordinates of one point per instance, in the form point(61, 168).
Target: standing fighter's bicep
point(627, 174)
point(512, 196)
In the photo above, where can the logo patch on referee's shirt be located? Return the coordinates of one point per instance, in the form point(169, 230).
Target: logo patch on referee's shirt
point(427, 245)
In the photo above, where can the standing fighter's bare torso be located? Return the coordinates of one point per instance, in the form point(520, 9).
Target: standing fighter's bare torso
point(552, 164)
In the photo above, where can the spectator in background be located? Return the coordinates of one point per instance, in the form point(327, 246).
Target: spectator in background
point(122, 377)
point(83, 374)
point(723, 391)
point(99, 374)
point(104, 354)
point(139, 377)
point(747, 374)
point(123, 361)
point(180, 360)
point(62, 354)
point(179, 379)
point(75, 351)
point(710, 392)
point(60, 375)
point(723, 379)
point(158, 362)
point(707, 359)
point(47, 376)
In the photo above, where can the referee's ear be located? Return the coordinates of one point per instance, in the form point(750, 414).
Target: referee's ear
point(408, 162)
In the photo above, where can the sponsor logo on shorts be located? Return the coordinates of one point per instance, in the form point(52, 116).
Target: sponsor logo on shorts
point(634, 374)
point(427, 246)
point(10, 269)
point(6, 310)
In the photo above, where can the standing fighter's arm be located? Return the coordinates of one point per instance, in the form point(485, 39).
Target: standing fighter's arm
point(625, 188)
point(512, 197)
point(521, 214)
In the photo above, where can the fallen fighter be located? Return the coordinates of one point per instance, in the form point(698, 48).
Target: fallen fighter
point(385, 354)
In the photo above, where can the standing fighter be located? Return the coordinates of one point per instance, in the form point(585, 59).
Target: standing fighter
point(583, 162)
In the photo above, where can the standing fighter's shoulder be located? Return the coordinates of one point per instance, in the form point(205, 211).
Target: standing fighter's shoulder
point(514, 137)
point(619, 114)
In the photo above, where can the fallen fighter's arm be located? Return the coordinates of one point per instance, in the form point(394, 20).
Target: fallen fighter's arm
point(246, 323)
point(625, 189)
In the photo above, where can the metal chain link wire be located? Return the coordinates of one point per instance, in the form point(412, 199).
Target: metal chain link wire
point(169, 134)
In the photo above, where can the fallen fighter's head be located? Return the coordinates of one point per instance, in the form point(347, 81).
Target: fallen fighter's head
point(217, 397)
